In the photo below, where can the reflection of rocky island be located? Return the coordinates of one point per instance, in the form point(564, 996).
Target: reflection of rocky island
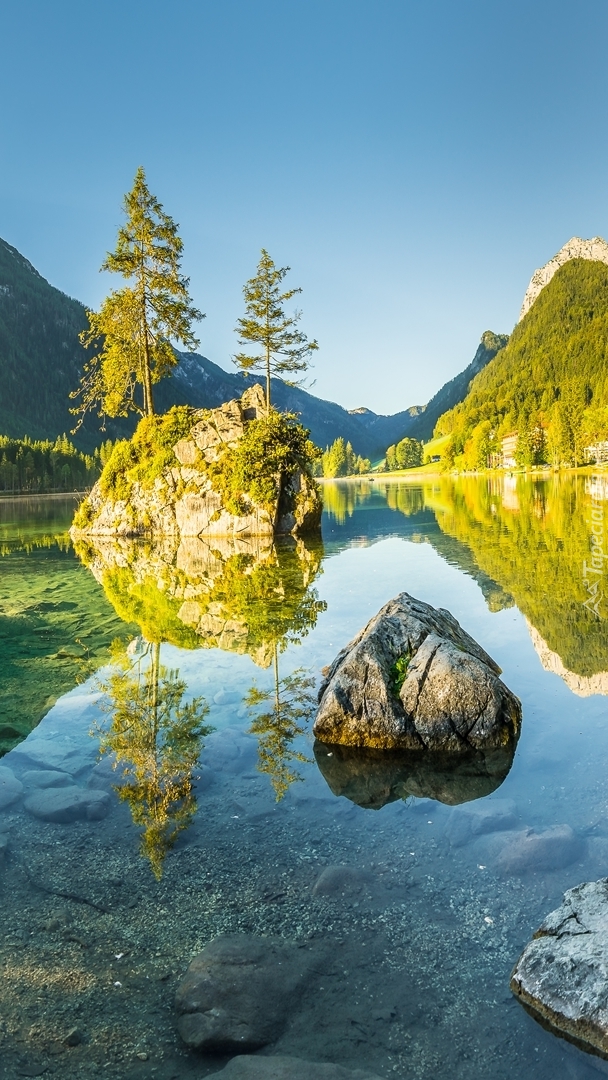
point(241, 595)
point(373, 778)
point(156, 740)
point(238, 470)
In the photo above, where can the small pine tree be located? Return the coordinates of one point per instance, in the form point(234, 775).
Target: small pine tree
point(285, 350)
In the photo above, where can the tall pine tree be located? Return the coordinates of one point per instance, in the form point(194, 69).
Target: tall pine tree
point(132, 333)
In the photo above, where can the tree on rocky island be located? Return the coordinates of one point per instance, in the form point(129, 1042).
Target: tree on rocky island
point(131, 335)
point(285, 350)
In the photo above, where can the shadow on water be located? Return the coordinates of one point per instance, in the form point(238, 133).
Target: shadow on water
point(373, 778)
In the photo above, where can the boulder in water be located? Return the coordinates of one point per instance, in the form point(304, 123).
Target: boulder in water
point(414, 679)
point(280, 1067)
point(238, 992)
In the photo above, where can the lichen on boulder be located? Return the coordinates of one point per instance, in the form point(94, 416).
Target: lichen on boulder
point(238, 470)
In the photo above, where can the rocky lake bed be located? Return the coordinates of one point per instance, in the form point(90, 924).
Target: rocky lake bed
point(399, 893)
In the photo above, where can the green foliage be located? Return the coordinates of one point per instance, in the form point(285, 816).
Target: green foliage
point(550, 380)
point(144, 457)
point(284, 350)
point(398, 673)
point(156, 740)
point(406, 454)
point(291, 704)
point(131, 335)
point(531, 537)
point(340, 459)
point(267, 603)
point(273, 448)
point(42, 466)
point(142, 602)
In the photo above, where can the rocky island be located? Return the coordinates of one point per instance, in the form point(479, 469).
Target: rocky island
point(238, 471)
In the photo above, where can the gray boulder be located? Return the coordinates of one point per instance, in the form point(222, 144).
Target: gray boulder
point(337, 881)
point(562, 975)
point(64, 805)
point(47, 778)
point(247, 1067)
point(238, 992)
point(10, 787)
point(450, 699)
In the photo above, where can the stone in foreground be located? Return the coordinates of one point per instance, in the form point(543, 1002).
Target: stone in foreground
point(562, 975)
point(451, 698)
point(279, 1067)
point(237, 993)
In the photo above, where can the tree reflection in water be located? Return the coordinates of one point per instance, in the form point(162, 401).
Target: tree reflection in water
point(156, 739)
point(291, 705)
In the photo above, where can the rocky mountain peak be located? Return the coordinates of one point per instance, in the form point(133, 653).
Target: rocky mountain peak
point(596, 250)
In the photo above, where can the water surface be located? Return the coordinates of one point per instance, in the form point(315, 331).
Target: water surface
point(238, 830)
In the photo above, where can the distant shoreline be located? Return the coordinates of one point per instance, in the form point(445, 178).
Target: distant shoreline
point(7, 497)
point(538, 471)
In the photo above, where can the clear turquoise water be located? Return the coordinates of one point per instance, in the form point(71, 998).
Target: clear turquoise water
point(417, 946)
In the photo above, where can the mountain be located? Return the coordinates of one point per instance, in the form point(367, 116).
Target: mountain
point(596, 250)
point(41, 361)
point(456, 389)
point(204, 383)
point(555, 362)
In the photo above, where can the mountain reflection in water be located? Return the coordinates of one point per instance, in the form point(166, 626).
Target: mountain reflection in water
point(525, 539)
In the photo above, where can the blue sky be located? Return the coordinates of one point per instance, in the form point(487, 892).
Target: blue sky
point(413, 162)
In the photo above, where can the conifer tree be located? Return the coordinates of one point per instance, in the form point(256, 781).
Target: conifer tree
point(131, 335)
point(284, 349)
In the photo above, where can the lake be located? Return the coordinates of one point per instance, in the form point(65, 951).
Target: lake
point(407, 885)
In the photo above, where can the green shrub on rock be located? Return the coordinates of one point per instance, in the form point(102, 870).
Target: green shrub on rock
point(272, 450)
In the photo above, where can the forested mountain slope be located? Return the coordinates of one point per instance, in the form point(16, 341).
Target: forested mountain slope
point(558, 353)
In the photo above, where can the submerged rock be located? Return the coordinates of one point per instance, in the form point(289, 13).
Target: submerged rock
point(238, 992)
point(414, 679)
point(546, 849)
point(46, 778)
point(340, 880)
point(279, 1067)
point(373, 778)
point(562, 975)
point(493, 815)
point(65, 805)
point(10, 787)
